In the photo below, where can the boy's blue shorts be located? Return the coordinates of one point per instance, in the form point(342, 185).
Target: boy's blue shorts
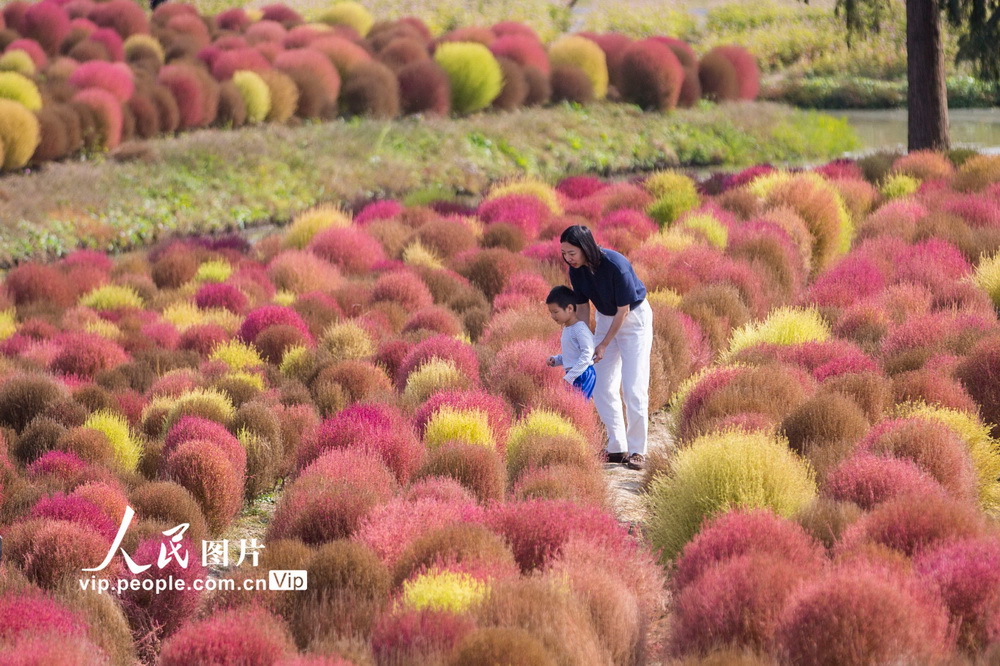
point(586, 381)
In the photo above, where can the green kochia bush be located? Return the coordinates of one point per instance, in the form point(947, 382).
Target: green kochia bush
point(475, 75)
point(721, 471)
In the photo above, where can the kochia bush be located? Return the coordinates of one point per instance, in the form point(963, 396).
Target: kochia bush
point(475, 75)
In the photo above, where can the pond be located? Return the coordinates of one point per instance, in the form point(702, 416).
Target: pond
point(886, 129)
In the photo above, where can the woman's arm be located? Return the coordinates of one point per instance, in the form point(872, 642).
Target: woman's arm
point(616, 324)
point(583, 312)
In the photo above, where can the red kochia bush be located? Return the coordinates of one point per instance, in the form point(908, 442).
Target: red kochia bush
point(209, 474)
point(86, 354)
point(331, 497)
point(75, 510)
point(651, 75)
point(424, 87)
point(59, 549)
point(737, 602)
point(109, 113)
point(313, 61)
point(912, 524)
point(47, 24)
point(478, 468)
point(234, 19)
point(860, 615)
point(116, 78)
point(391, 527)
point(747, 72)
point(230, 62)
point(250, 636)
point(404, 288)
point(868, 480)
point(31, 47)
point(351, 249)
point(441, 347)
point(979, 372)
point(537, 529)
point(932, 446)
point(369, 429)
point(27, 612)
point(33, 283)
point(184, 84)
point(523, 50)
point(193, 427)
point(162, 614)
point(967, 575)
point(220, 295)
point(738, 533)
point(111, 42)
point(123, 16)
point(416, 636)
point(718, 76)
point(524, 212)
point(270, 315)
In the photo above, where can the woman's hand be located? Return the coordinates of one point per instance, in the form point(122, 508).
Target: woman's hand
point(599, 352)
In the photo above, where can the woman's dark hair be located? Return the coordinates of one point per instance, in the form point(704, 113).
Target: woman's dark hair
point(581, 237)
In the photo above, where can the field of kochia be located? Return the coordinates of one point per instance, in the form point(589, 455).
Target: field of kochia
point(826, 340)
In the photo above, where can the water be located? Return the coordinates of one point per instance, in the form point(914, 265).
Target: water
point(886, 129)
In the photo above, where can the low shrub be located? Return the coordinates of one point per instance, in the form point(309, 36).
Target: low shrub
point(738, 602)
point(784, 326)
point(858, 615)
point(912, 527)
point(740, 533)
point(719, 471)
point(19, 88)
point(965, 573)
point(585, 54)
point(932, 446)
point(718, 77)
point(418, 636)
point(370, 89)
point(475, 76)
point(125, 446)
point(350, 14)
point(869, 480)
point(251, 636)
point(651, 76)
point(331, 497)
point(501, 645)
point(172, 503)
point(206, 471)
point(479, 468)
point(256, 95)
point(19, 132)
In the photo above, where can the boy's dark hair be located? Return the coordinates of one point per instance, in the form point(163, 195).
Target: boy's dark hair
point(562, 296)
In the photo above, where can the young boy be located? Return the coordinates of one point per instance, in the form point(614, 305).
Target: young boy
point(577, 341)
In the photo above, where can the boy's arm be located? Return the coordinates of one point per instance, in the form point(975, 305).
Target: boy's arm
point(584, 340)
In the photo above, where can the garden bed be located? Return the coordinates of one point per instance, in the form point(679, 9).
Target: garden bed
point(212, 181)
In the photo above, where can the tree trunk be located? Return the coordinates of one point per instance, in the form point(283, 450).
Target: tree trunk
point(927, 97)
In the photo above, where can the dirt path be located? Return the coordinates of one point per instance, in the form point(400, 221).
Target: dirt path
point(624, 484)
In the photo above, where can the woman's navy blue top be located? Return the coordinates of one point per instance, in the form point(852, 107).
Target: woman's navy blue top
point(612, 284)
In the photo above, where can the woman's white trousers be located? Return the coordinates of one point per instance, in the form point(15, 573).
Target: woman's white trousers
point(625, 369)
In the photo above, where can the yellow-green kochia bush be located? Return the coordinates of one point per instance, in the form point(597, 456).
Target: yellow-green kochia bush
point(256, 95)
point(475, 75)
point(721, 471)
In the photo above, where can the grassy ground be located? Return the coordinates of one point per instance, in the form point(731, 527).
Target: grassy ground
point(217, 180)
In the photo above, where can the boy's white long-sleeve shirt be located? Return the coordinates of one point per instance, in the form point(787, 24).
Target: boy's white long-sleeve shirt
point(577, 350)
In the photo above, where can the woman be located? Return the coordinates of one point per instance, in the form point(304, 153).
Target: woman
point(623, 337)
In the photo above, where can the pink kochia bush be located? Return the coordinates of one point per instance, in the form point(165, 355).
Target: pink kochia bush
point(270, 315)
point(860, 614)
point(365, 430)
point(739, 533)
point(252, 636)
point(537, 529)
point(869, 480)
point(967, 575)
point(331, 497)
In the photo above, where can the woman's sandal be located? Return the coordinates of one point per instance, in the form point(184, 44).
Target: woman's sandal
point(636, 461)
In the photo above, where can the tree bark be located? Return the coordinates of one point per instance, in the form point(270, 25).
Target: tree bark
point(927, 97)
